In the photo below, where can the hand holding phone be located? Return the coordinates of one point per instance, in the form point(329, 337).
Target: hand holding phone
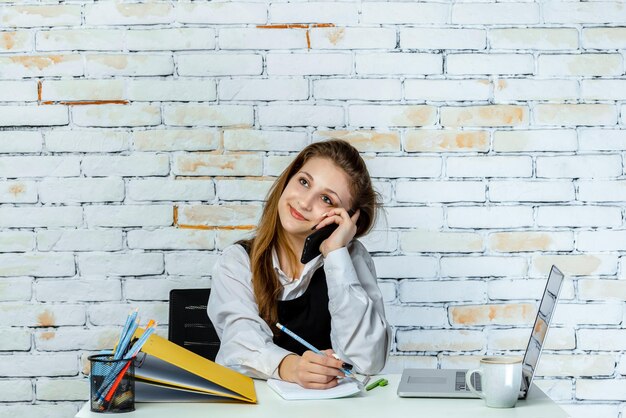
point(314, 241)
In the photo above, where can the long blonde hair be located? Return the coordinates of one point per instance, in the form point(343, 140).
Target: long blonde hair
point(270, 233)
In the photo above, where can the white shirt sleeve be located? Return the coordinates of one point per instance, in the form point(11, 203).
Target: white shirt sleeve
point(246, 340)
point(360, 333)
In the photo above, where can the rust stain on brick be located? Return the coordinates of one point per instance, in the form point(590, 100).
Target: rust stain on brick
point(39, 87)
point(323, 25)
point(287, 26)
point(46, 319)
point(366, 140)
point(8, 40)
point(118, 62)
point(521, 241)
point(17, 189)
point(335, 36)
point(175, 215)
point(39, 62)
point(224, 228)
point(486, 314)
point(471, 140)
point(90, 102)
point(308, 40)
point(508, 114)
point(418, 115)
point(47, 335)
point(502, 84)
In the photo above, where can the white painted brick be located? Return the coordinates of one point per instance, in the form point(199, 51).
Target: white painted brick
point(129, 65)
point(512, 89)
point(249, 139)
point(171, 90)
point(414, 13)
point(579, 166)
point(23, 365)
point(80, 40)
point(41, 15)
point(447, 90)
point(14, 339)
point(168, 189)
point(602, 139)
point(16, 241)
point(18, 192)
point(80, 190)
point(309, 63)
point(582, 12)
point(261, 38)
point(579, 65)
point(576, 216)
point(14, 289)
point(489, 63)
point(517, 339)
point(601, 389)
point(601, 290)
point(380, 241)
point(422, 291)
point(602, 190)
point(171, 239)
point(357, 89)
point(412, 217)
point(387, 289)
point(573, 314)
point(62, 389)
point(601, 240)
point(397, 364)
point(383, 188)
point(520, 241)
point(129, 215)
point(314, 12)
point(507, 289)
point(576, 365)
point(15, 390)
point(155, 289)
point(241, 216)
point(33, 115)
point(574, 265)
point(603, 89)
point(18, 91)
point(531, 191)
point(489, 166)
point(110, 115)
point(352, 38)
point(416, 316)
point(43, 166)
point(603, 37)
point(534, 38)
point(301, 115)
point(86, 140)
point(207, 115)
point(404, 167)
point(495, 13)
point(40, 66)
point(51, 315)
point(63, 216)
point(226, 237)
point(439, 340)
point(483, 266)
point(221, 12)
point(116, 313)
point(76, 291)
point(170, 39)
point(442, 38)
point(220, 64)
point(198, 164)
point(398, 63)
point(391, 115)
point(405, 266)
point(17, 41)
point(601, 339)
point(128, 13)
point(484, 115)
point(20, 141)
point(535, 140)
point(37, 264)
point(84, 339)
point(189, 262)
point(440, 242)
point(79, 240)
point(196, 139)
point(451, 361)
point(118, 264)
point(440, 191)
point(137, 164)
point(76, 90)
point(233, 189)
point(265, 89)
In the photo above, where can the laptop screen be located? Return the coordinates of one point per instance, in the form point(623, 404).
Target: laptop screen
point(540, 328)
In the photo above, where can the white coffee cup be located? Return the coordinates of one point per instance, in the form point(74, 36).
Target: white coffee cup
point(500, 378)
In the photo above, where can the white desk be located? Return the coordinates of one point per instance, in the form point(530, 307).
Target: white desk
point(382, 402)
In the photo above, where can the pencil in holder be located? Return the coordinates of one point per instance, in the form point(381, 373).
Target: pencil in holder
point(112, 384)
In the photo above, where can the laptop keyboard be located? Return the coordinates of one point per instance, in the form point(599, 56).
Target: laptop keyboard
point(460, 386)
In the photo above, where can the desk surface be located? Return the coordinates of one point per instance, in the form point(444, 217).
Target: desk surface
point(382, 402)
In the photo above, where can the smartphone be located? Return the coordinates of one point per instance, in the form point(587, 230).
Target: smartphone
point(312, 243)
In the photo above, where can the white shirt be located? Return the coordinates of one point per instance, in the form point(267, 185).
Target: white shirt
point(360, 334)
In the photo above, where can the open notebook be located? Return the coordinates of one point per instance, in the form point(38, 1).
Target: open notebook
point(292, 391)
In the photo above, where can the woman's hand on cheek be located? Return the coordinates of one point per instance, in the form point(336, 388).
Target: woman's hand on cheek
point(343, 234)
point(312, 371)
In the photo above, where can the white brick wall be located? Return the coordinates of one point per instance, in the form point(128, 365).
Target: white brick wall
point(138, 140)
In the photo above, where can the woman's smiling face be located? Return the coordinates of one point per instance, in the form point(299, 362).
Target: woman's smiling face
point(319, 186)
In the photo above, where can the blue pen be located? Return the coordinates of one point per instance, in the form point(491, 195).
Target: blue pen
point(308, 345)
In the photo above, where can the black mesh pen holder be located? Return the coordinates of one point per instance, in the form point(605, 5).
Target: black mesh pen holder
point(112, 384)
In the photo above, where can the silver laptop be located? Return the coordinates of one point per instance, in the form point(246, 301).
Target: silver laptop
point(440, 383)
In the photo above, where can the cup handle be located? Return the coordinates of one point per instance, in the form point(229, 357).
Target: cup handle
point(468, 382)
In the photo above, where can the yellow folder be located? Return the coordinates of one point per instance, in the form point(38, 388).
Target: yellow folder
point(170, 366)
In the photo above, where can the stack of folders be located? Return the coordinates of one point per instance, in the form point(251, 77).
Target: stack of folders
point(167, 372)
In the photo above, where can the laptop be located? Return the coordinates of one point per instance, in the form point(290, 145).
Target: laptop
point(444, 383)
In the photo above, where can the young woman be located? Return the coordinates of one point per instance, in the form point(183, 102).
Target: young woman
point(333, 301)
